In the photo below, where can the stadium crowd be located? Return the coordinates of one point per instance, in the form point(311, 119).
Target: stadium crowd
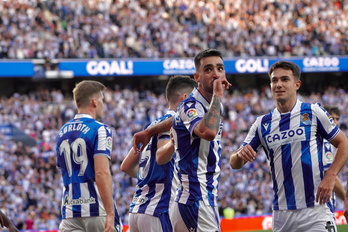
point(30, 190)
point(168, 28)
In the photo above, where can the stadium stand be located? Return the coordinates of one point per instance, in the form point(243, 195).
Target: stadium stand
point(154, 28)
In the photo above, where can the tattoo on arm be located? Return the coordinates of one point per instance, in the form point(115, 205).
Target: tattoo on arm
point(213, 116)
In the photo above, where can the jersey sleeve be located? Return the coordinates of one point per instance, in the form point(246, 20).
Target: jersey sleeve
point(326, 126)
point(191, 113)
point(103, 142)
point(253, 137)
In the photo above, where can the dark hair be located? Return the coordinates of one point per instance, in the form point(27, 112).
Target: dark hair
point(332, 110)
point(84, 90)
point(288, 65)
point(206, 53)
point(177, 85)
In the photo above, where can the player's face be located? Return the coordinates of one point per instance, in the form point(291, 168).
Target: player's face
point(284, 85)
point(100, 106)
point(211, 68)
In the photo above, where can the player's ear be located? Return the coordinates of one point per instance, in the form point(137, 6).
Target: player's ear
point(94, 102)
point(298, 84)
point(196, 76)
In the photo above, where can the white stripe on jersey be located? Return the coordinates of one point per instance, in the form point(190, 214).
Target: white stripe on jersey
point(150, 209)
point(185, 184)
point(102, 139)
point(202, 166)
point(85, 208)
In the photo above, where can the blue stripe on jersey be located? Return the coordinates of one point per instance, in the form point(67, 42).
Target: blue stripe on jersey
point(210, 177)
point(284, 124)
point(76, 192)
point(306, 157)
point(94, 208)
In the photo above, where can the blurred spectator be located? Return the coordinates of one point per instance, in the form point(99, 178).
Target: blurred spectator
point(152, 28)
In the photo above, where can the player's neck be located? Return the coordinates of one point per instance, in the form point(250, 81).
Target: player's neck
point(86, 111)
point(286, 106)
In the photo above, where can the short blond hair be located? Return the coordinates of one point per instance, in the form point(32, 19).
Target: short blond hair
point(86, 89)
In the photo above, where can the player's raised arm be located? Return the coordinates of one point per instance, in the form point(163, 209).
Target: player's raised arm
point(142, 138)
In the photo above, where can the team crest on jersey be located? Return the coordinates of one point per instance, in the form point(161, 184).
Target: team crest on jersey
point(109, 143)
point(305, 119)
point(192, 113)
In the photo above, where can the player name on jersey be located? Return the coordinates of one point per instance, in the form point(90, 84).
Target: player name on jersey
point(74, 126)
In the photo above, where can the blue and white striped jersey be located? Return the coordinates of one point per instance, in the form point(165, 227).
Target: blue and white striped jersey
point(293, 143)
point(329, 154)
point(78, 142)
point(197, 159)
point(154, 187)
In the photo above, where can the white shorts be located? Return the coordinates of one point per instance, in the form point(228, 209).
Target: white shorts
point(82, 224)
point(139, 222)
point(313, 219)
point(197, 217)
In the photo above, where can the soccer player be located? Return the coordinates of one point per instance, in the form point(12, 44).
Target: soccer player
point(197, 130)
point(149, 208)
point(6, 222)
point(292, 138)
point(329, 152)
point(83, 156)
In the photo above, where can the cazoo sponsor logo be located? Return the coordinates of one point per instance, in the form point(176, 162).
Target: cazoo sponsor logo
point(312, 64)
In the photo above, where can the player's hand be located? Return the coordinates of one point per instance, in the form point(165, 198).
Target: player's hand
point(109, 224)
point(220, 85)
point(246, 153)
point(140, 139)
point(325, 189)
